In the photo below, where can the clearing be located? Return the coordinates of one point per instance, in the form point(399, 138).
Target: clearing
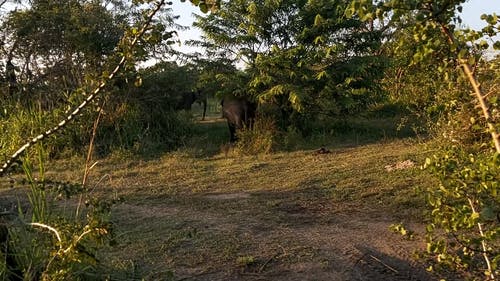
point(299, 215)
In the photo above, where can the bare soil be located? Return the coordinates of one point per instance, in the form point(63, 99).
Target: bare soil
point(293, 216)
point(266, 236)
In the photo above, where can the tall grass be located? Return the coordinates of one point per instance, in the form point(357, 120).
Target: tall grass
point(124, 127)
point(28, 121)
point(47, 242)
point(260, 139)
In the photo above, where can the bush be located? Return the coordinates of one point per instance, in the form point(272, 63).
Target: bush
point(23, 123)
point(142, 128)
point(47, 242)
point(260, 139)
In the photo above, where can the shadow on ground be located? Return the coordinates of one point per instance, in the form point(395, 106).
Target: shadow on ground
point(264, 236)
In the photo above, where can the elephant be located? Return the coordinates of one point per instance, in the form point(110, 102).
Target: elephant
point(240, 113)
point(187, 100)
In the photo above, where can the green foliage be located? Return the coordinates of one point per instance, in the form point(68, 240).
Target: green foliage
point(462, 204)
point(143, 130)
point(60, 48)
point(303, 56)
point(205, 5)
point(139, 119)
point(23, 122)
point(403, 230)
point(55, 46)
point(45, 243)
point(217, 77)
point(143, 118)
point(420, 86)
point(245, 261)
point(466, 199)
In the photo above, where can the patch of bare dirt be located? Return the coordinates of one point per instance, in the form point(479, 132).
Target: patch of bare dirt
point(402, 165)
point(245, 236)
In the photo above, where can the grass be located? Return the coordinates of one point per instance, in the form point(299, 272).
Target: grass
point(199, 212)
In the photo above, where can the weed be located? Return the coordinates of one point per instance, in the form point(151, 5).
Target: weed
point(245, 261)
point(403, 230)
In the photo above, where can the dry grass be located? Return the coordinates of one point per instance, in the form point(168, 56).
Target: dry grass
point(352, 173)
point(297, 215)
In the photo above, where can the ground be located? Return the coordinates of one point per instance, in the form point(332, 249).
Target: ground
point(290, 215)
point(265, 236)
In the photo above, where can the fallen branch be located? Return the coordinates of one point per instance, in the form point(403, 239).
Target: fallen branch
point(384, 264)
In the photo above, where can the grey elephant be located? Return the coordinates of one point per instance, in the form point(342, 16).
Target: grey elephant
point(187, 100)
point(239, 112)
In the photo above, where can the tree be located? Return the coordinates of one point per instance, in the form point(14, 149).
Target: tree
point(302, 55)
point(58, 46)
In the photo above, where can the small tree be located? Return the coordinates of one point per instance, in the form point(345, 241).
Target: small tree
point(466, 201)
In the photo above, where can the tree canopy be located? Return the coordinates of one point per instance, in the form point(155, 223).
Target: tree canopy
point(306, 56)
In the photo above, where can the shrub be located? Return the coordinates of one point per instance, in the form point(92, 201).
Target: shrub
point(260, 139)
point(45, 242)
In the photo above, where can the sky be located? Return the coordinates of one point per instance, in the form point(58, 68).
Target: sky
point(472, 11)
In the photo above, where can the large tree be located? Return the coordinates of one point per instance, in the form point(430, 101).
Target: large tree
point(54, 47)
point(55, 43)
point(303, 55)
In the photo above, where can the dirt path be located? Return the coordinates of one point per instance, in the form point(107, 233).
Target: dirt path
point(265, 236)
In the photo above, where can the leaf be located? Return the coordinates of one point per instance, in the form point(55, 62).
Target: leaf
point(483, 44)
point(295, 100)
point(428, 162)
point(203, 8)
point(321, 75)
point(492, 19)
point(252, 8)
point(349, 12)
point(471, 60)
point(318, 20)
point(496, 45)
point(463, 54)
point(474, 216)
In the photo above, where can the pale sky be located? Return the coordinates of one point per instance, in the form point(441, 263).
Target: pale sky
point(472, 11)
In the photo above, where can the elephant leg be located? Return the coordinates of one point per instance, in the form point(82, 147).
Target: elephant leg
point(204, 109)
point(232, 132)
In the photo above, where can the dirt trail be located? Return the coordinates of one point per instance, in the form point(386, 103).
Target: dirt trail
point(268, 236)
